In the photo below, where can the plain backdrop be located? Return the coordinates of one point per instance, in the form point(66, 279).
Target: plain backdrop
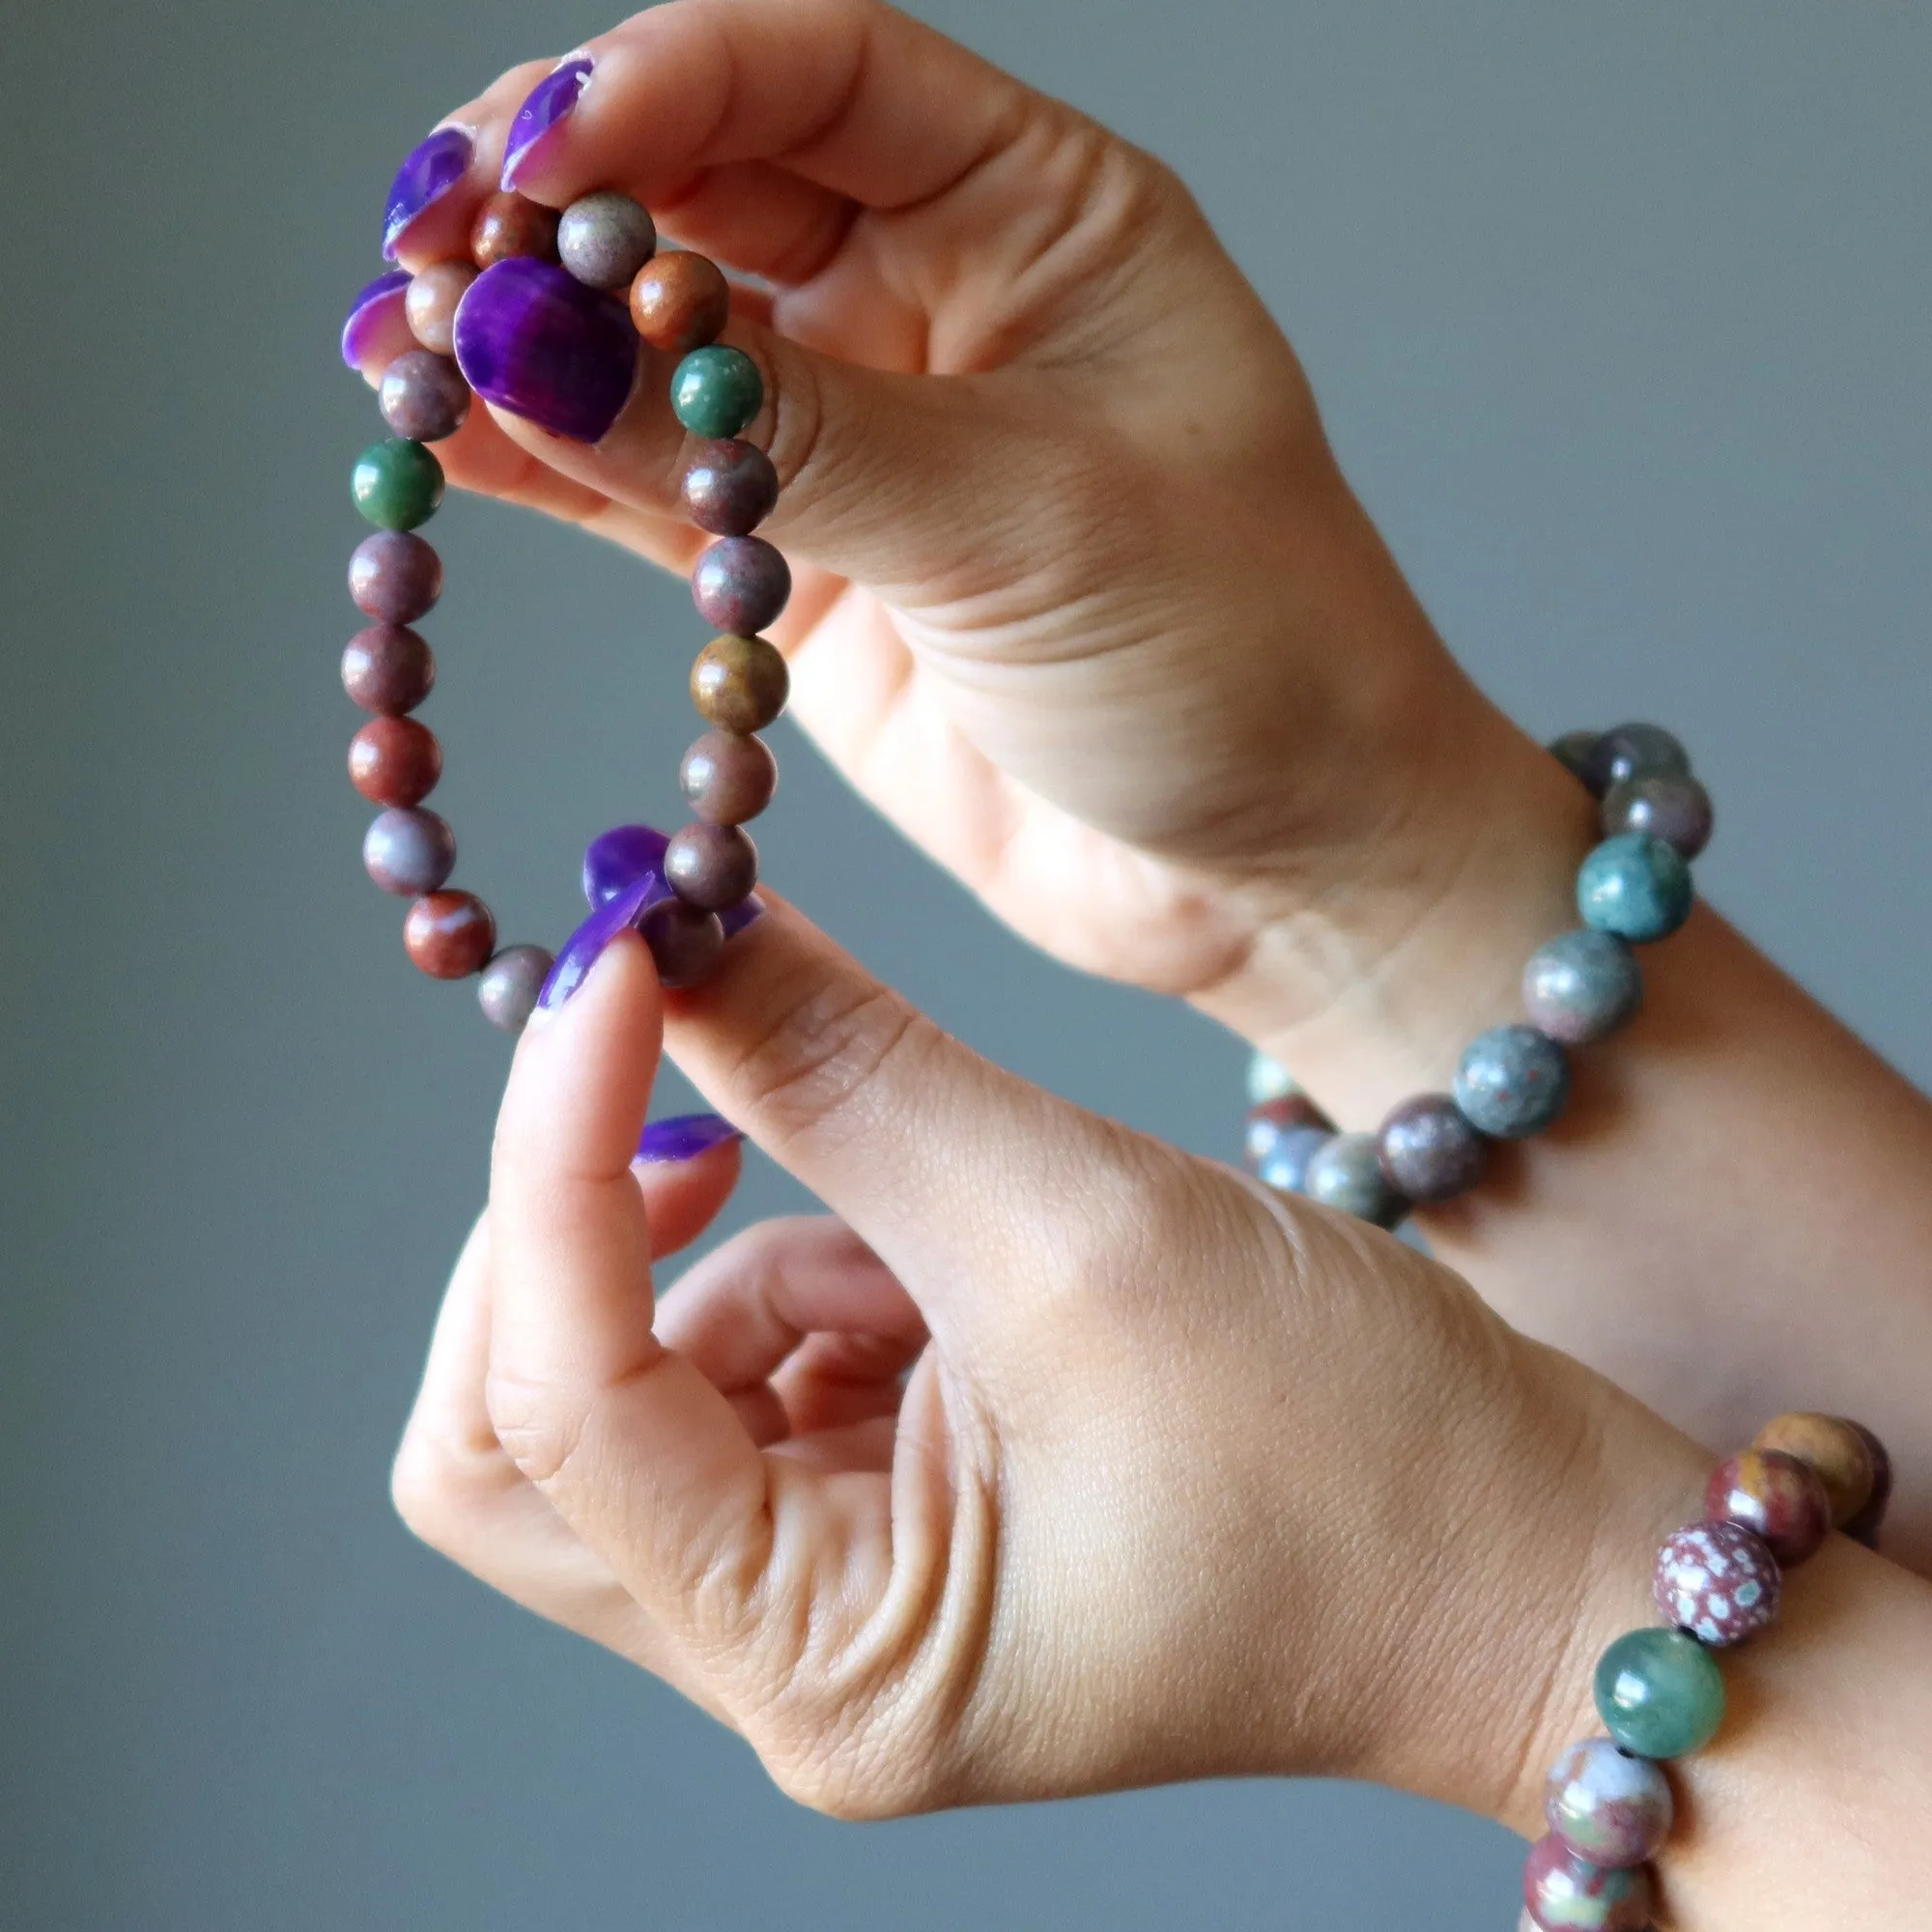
point(1620, 319)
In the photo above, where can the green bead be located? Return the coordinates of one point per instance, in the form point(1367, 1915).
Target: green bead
point(716, 391)
point(1659, 1693)
point(1635, 886)
point(397, 484)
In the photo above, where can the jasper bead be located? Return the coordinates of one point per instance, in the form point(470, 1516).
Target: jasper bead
point(1633, 751)
point(731, 488)
point(1775, 1497)
point(711, 867)
point(739, 684)
point(1512, 1081)
point(1717, 1581)
point(409, 851)
point(685, 941)
point(1285, 1165)
point(1609, 1807)
point(605, 238)
point(1671, 806)
point(1429, 1149)
point(1272, 1120)
point(1635, 887)
point(1346, 1173)
point(423, 396)
point(1573, 751)
point(680, 301)
point(508, 987)
point(729, 777)
point(394, 576)
point(394, 761)
point(449, 935)
point(1832, 1449)
point(1565, 1893)
point(1865, 1527)
point(1268, 1079)
point(397, 484)
point(507, 226)
point(389, 668)
point(431, 304)
point(1582, 987)
point(715, 390)
point(1660, 1693)
point(741, 584)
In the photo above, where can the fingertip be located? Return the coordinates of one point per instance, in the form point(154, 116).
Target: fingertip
point(682, 1198)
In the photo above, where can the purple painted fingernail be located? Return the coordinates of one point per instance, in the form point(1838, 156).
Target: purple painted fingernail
point(615, 859)
point(546, 104)
point(581, 951)
point(377, 330)
point(735, 918)
point(533, 340)
point(429, 171)
point(684, 1137)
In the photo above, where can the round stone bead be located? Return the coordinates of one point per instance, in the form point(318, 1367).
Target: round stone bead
point(1428, 1151)
point(409, 851)
point(739, 684)
point(680, 301)
point(1270, 1119)
point(397, 484)
point(508, 225)
point(449, 935)
point(431, 304)
point(711, 867)
point(1608, 1807)
point(395, 577)
point(1635, 887)
point(423, 396)
point(1268, 1080)
point(685, 941)
point(1633, 751)
point(741, 584)
point(729, 488)
point(1717, 1581)
point(715, 390)
point(1772, 1496)
point(1565, 1893)
point(1671, 806)
point(394, 761)
point(729, 777)
point(1582, 987)
point(605, 238)
point(1573, 751)
point(508, 987)
point(1660, 1693)
point(1865, 1527)
point(1285, 1165)
point(389, 668)
point(1512, 1082)
point(1346, 1173)
point(1832, 1449)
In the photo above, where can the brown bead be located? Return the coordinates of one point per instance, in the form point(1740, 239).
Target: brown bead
point(508, 225)
point(731, 488)
point(740, 684)
point(394, 761)
point(685, 942)
point(711, 867)
point(1865, 1527)
point(1834, 1452)
point(449, 935)
point(728, 778)
point(680, 301)
point(431, 304)
point(389, 668)
point(1772, 1496)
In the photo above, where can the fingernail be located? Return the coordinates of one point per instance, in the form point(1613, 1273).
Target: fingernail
point(533, 340)
point(377, 330)
point(615, 859)
point(684, 1137)
point(546, 104)
point(585, 947)
point(735, 918)
point(429, 171)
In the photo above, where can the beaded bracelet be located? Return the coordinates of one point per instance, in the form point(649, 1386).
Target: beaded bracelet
point(415, 338)
point(1582, 987)
point(1659, 1693)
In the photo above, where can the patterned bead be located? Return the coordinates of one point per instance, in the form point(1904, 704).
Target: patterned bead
point(741, 584)
point(1633, 751)
point(389, 668)
point(729, 777)
point(1428, 1151)
point(1284, 1167)
point(1565, 1893)
point(1717, 1581)
point(397, 484)
point(1344, 1172)
point(1268, 1080)
point(1660, 1693)
point(605, 238)
point(449, 935)
point(407, 851)
point(1865, 1527)
point(394, 576)
point(715, 390)
point(1635, 886)
point(711, 867)
point(1671, 806)
point(729, 488)
point(431, 304)
point(1573, 751)
point(685, 942)
point(1775, 1497)
point(1268, 1122)
point(1513, 1080)
point(508, 987)
point(394, 761)
point(507, 225)
point(680, 301)
point(423, 397)
point(1608, 1807)
point(739, 684)
point(1582, 986)
point(1832, 1449)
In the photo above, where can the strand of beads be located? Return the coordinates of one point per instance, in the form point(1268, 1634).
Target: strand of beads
point(1609, 1802)
point(1582, 987)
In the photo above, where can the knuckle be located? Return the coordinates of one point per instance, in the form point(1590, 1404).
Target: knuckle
point(539, 1432)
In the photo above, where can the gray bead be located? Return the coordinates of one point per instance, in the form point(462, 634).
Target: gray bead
point(423, 397)
point(1429, 1149)
point(409, 851)
point(1513, 1080)
point(605, 238)
point(1583, 985)
point(507, 988)
point(1283, 1165)
point(1671, 806)
point(1268, 1080)
point(1633, 751)
point(1573, 751)
point(1347, 1173)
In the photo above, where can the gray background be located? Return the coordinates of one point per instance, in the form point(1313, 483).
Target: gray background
point(1620, 316)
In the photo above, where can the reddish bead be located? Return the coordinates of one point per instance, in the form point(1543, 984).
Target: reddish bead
point(685, 942)
point(1428, 1149)
point(1834, 1452)
point(1609, 1807)
point(679, 302)
point(740, 684)
point(431, 304)
point(1269, 1119)
point(1865, 1527)
point(395, 575)
point(1566, 1893)
point(729, 777)
point(394, 761)
point(1717, 1581)
point(449, 935)
point(389, 668)
point(1775, 1497)
point(423, 397)
point(508, 225)
point(741, 584)
point(711, 867)
point(731, 488)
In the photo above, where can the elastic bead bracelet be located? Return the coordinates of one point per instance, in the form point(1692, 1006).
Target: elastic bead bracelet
point(410, 336)
point(1607, 1800)
point(1578, 988)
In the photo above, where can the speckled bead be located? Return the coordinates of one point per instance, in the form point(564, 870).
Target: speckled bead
point(1573, 751)
point(1512, 1082)
point(711, 867)
point(508, 226)
point(685, 941)
point(397, 484)
point(741, 584)
point(1267, 1079)
point(1633, 751)
point(1865, 1527)
point(1832, 1449)
point(430, 305)
point(1269, 1119)
point(1717, 1581)
point(715, 390)
point(1660, 1693)
point(739, 684)
point(1284, 1167)
point(605, 238)
point(449, 935)
point(1429, 1149)
point(731, 488)
point(507, 987)
point(394, 761)
point(1582, 987)
point(395, 575)
point(1608, 1807)
point(423, 397)
point(1671, 806)
point(389, 668)
point(680, 301)
point(409, 851)
point(1775, 1497)
point(1565, 1893)
point(727, 777)
point(1346, 1173)
point(1635, 887)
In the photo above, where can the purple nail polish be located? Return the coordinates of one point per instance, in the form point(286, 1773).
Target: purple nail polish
point(429, 171)
point(615, 859)
point(684, 1137)
point(546, 104)
point(583, 949)
point(377, 330)
point(735, 918)
point(533, 340)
